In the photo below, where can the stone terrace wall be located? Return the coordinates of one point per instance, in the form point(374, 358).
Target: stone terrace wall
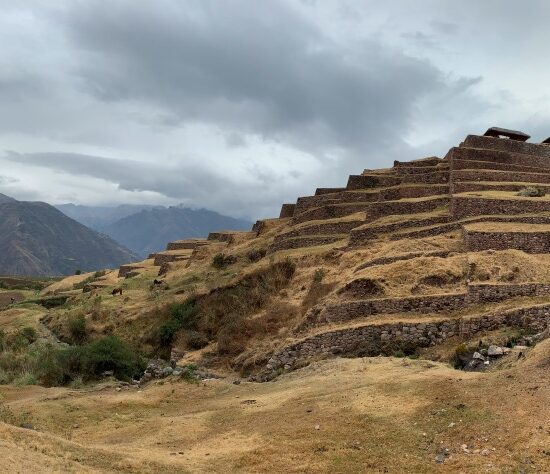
point(358, 236)
point(498, 157)
point(474, 294)
point(301, 242)
point(487, 175)
point(427, 178)
point(320, 191)
point(321, 229)
point(287, 210)
point(514, 146)
point(466, 207)
point(380, 209)
point(387, 338)
point(530, 242)
point(490, 165)
point(432, 161)
point(371, 181)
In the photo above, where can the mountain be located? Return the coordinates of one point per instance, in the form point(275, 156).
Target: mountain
point(4, 198)
point(148, 230)
point(37, 239)
point(97, 217)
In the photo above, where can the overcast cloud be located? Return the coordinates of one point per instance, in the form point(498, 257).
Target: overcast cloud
point(238, 105)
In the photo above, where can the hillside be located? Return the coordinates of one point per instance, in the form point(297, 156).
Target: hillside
point(148, 231)
point(37, 239)
point(398, 323)
point(97, 217)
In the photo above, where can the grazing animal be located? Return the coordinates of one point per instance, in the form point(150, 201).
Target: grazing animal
point(158, 282)
point(117, 291)
point(12, 299)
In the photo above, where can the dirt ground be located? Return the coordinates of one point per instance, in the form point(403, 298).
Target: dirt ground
point(343, 415)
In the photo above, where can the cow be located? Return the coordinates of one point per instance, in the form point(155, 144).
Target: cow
point(117, 291)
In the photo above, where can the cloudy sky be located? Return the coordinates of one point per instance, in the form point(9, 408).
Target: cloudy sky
point(239, 105)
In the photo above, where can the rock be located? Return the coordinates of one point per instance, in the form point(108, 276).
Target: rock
point(108, 373)
point(494, 351)
point(167, 371)
point(317, 427)
point(477, 355)
point(27, 426)
point(236, 382)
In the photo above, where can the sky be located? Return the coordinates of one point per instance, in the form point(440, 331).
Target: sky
point(240, 105)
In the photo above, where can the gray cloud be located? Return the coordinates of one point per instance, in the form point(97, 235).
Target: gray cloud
point(239, 105)
point(256, 67)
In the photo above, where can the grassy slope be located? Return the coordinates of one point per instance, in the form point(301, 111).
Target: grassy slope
point(371, 415)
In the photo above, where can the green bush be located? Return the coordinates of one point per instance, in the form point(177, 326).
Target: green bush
point(78, 272)
point(109, 353)
point(29, 334)
point(77, 329)
point(319, 275)
point(182, 316)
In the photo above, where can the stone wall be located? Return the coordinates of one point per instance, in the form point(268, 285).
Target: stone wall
point(488, 175)
point(327, 228)
point(491, 165)
point(125, 269)
point(386, 338)
point(372, 181)
point(489, 143)
point(436, 177)
point(380, 209)
point(287, 210)
point(301, 242)
point(499, 157)
point(359, 236)
point(465, 207)
point(329, 212)
point(474, 294)
point(431, 161)
point(530, 242)
point(185, 244)
point(320, 191)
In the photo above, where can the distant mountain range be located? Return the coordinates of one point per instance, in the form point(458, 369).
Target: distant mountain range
point(37, 239)
point(147, 229)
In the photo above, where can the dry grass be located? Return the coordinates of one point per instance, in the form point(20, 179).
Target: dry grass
point(509, 266)
point(505, 195)
point(366, 411)
point(507, 227)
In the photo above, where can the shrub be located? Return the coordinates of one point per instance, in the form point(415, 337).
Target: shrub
point(29, 334)
point(221, 260)
point(256, 254)
point(100, 273)
point(78, 272)
point(319, 275)
point(532, 191)
point(77, 329)
point(109, 353)
point(196, 340)
point(182, 316)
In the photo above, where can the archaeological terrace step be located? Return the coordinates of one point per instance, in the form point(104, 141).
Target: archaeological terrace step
point(475, 294)
point(186, 244)
point(305, 241)
point(376, 339)
point(229, 235)
point(498, 158)
point(534, 239)
point(500, 176)
point(492, 166)
point(329, 227)
point(513, 146)
point(468, 206)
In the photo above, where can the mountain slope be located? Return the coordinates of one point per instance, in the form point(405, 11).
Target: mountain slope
point(149, 230)
point(37, 239)
point(4, 198)
point(97, 217)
